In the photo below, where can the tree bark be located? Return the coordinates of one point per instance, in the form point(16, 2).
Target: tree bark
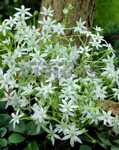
point(81, 9)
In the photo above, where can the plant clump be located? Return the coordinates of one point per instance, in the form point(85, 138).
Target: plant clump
point(58, 85)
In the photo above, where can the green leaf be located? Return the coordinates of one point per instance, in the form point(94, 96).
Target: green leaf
point(105, 138)
point(3, 142)
point(116, 141)
point(103, 144)
point(4, 119)
point(3, 131)
point(32, 145)
point(6, 148)
point(16, 138)
point(20, 128)
point(15, 1)
point(85, 147)
point(31, 128)
point(114, 148)
point(1, 103)
point(85, 138)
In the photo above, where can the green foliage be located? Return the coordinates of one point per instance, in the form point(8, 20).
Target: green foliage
point(16, 138)
point(104, 138)
point(106, 12)
point(28, 128)
point(85, 147)
point(21, 137)
point(31, 128)
point(108, 141)
point(7, 6)
point(20, 128)
point(3, 131)
point(3, 142)
point(31, 145)
point(111, 35)
point(4, 119)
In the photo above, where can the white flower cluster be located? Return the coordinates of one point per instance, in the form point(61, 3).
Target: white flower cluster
point(58, 83)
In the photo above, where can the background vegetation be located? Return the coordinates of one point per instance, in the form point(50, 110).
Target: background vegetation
point(106, 12)
point(7, 6)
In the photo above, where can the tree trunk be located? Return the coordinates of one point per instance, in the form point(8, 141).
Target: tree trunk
point(81, 9)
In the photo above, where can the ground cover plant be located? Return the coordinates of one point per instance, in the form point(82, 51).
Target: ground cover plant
point(52, 89)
